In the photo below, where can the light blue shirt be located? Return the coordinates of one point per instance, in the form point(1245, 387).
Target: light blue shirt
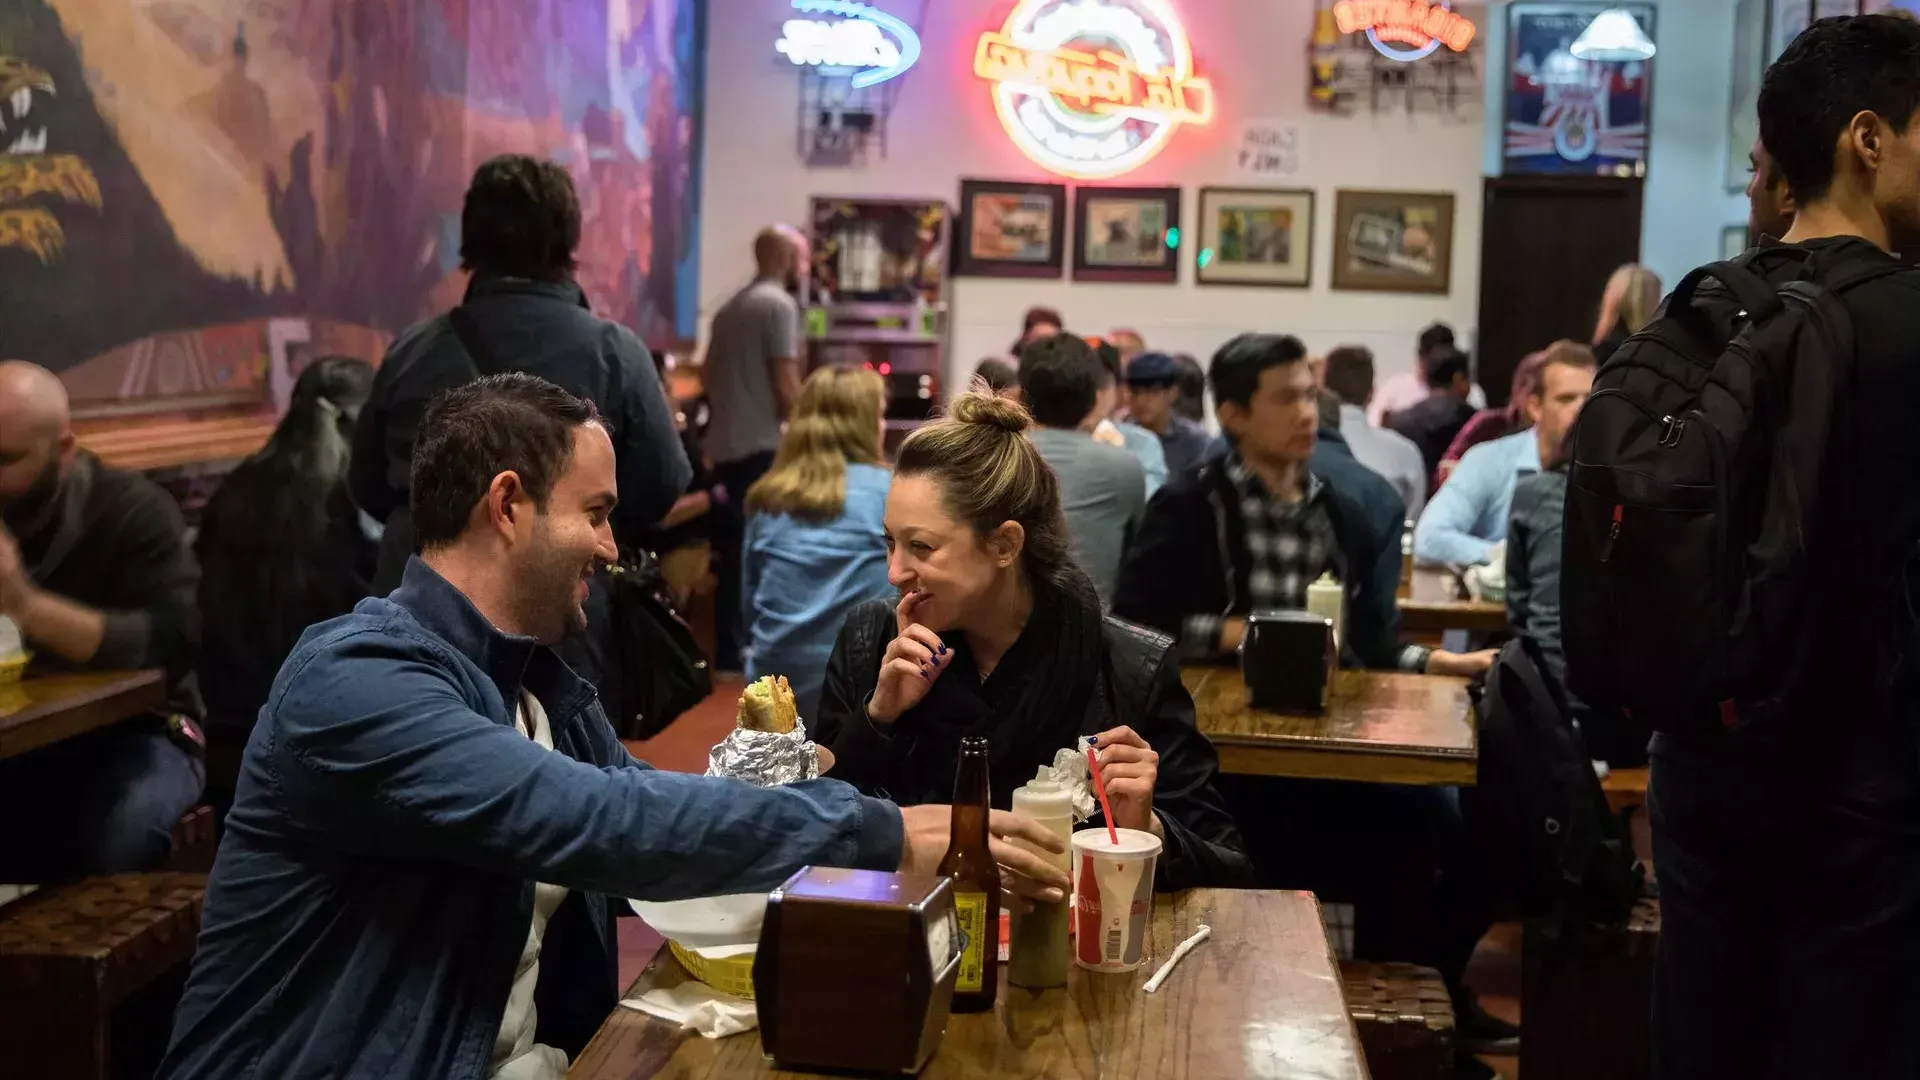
point(1145, 446)
point(799, 579)
point(1468, 515)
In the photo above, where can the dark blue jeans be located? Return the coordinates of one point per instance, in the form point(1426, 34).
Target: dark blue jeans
point(1790, 908)
point(729, 532)
point(1398, 854)
point(102, 803)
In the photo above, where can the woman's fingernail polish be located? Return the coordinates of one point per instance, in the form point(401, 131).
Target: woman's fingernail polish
point(943, 650)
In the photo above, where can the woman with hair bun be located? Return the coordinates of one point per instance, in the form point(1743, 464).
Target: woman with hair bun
point(998, 633)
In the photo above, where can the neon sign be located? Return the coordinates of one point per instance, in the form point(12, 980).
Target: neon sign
point(1092, 88)
point(858, 39)
point(1405, 30)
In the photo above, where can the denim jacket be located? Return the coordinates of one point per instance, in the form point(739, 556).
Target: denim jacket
point(375, 885)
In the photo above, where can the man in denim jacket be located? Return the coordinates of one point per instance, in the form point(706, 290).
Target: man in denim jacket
point(434, 823)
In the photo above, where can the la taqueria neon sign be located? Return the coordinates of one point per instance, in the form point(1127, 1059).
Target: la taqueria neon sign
point(1405, 29)
point(1092, 88)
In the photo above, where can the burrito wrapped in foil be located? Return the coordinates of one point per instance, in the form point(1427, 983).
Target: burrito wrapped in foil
point(765, 758)
point(768, 745)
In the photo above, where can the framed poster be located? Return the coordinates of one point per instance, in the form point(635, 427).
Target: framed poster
point(1255, 236)
point(1126, 234)
point(1011, 229)
point(1393, 241)
point(1570, 116)
point(1743, 104)
point(1733, 241)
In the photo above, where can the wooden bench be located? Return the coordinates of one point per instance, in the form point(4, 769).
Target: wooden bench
point(1404, 1018)
point(90, 973)
point(1587, 999)
point(1625, 788)
point(147, 443)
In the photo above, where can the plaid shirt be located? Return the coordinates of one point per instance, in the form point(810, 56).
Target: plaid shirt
point(1290, 545)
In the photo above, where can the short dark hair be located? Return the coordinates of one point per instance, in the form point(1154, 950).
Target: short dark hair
point(521, 219)
point(998, 373)
point(1061, 377)
point(514, 423)
point(1192, 402)
point(1835, 69)
point(1445, 366)
point(1436, 337)
point(1237, 367)
point(1036, 316)
point(1350, 373)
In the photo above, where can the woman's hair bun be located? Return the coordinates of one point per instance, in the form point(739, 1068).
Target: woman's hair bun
point(988, 409)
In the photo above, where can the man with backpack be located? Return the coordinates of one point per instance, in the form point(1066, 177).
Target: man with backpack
point(1742, 516)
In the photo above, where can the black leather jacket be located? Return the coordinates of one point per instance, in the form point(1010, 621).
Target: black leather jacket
point(1139, 688)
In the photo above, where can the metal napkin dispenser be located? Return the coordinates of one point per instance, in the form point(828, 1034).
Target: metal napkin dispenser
point(1288, 660)
point(855, 970)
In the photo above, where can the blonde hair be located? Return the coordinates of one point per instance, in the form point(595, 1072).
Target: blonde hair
point(836, 423)
point(1631, 296)
point(989, 473)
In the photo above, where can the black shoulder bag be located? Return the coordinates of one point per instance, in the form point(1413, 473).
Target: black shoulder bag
point(647, 666)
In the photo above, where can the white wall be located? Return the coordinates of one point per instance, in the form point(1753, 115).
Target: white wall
point(943, 128)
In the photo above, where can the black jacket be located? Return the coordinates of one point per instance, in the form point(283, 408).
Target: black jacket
point(541, 328)
point(1139, 688)
point(1191, 555)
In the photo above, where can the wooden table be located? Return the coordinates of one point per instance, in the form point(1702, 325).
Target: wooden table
point(1433, 617)
point(1260, 998)
point(41, 710)
point(1380, 726)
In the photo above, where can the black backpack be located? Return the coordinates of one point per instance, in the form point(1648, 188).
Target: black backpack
point(1545, 837)
point(1695, 470)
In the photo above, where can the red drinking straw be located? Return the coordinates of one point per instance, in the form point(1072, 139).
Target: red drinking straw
point(1100, 789)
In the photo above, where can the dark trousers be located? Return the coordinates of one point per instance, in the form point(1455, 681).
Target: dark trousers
point(1790, 910)
point(102, 803)
point(729, 529)
point(1398, 854)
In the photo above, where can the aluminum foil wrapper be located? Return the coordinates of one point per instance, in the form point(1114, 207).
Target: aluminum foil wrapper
point(765, 758)
point(1069, 770)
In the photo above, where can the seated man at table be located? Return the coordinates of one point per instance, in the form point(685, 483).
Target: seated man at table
point(1252, 529)
point(434, 820)
point(1249, 531)
point(1465, 523)
point(95, 570)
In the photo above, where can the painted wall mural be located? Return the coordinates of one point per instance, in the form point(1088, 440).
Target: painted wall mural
point(188, 187)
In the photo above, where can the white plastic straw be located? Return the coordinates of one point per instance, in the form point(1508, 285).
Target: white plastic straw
point(1179, 954)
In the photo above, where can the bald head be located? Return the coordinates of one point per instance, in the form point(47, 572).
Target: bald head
point(778, 250)
point(36, 442)
point(31, 397)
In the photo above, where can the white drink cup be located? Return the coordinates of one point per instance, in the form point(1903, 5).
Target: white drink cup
point(1112, 897)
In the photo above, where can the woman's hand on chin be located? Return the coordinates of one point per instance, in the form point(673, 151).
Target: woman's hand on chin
point(914, 659)
point(1130, 769)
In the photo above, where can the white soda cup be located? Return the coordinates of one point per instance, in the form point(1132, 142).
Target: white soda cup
point(1112, 897)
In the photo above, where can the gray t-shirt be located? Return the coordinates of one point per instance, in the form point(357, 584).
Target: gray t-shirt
point(1104, 494)
point(759, 324)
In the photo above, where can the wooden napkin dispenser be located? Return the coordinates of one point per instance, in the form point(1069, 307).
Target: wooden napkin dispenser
point(855, 970)
point(1288, 661)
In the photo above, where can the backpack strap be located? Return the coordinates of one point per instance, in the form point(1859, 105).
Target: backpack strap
point(482, 355)
point(1860, 272)
point(1754, 293)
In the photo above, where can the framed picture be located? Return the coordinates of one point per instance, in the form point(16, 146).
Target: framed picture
point(1011, 229)
point(1126, 234)
point(1743, 104)
point(1569, 116)
point(1733, 240)
point(1255, 236)
point(1393, 241)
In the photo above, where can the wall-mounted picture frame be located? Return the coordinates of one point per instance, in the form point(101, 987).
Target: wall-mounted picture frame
point(1733, 241)
point(1749, 65)
point(1567, 116)
point(1010, 229)
point(1126, 234)
point(1393, 241)
point(1255, 236)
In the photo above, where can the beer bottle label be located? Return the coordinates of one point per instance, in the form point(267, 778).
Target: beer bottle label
point(975, 939)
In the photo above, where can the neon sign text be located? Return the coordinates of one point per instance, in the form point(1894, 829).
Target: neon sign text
point(858, 39)
point(1405, 29)
point(1092, 88)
